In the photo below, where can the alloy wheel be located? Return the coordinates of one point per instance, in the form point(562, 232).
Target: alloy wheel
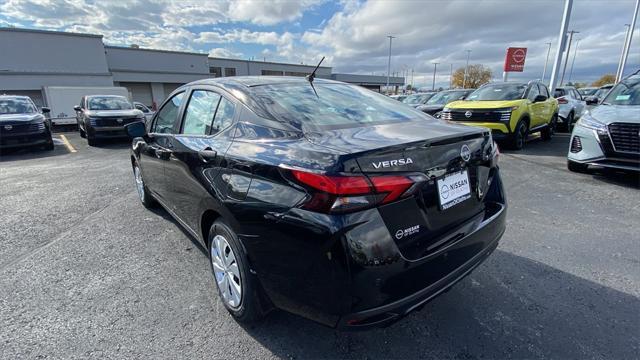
point(139, 182)
point(227, 273)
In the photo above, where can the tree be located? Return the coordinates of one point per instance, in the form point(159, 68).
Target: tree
point(477, 75)
point(605, 79)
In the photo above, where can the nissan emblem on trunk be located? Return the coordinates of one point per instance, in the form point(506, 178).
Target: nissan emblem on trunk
point(465, 153)
point(119, 121)
point(8, 127)
point(468, 114)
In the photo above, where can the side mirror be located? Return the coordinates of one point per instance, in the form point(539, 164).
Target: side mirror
point(136, 129)
point(540, 98)
point(592, 100)
point(45, 110)
point(77, 108)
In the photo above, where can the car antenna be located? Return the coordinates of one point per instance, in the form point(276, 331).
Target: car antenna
point(312, 76)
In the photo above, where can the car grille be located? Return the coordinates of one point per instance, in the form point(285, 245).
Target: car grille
point(112, 121)
point(479, 115)
point(625, 137)
point(21, 128)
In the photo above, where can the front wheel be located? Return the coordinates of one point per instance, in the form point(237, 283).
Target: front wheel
point(519, 137)
point(143, 194)
point(83, 134)
point(237, 287)
point(548, 132)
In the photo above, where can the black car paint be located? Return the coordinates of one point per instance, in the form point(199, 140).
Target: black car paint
point(341, 270)
point(25, 130)
point(108, 123)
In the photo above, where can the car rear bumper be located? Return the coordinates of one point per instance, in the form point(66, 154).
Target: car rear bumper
point(484, 240)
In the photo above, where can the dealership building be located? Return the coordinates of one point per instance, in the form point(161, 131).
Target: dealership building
point(33, 59)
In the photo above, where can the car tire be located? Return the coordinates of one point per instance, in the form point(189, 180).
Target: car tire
point(519, 136)
point(549, 130)
point(569, 121)
point(226, 253)
point(49, 146)
point(577, 167)
point(143, 193)
point(83, 134)
point(92, 141)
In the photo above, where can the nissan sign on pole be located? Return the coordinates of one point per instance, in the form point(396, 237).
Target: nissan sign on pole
point(514, 61)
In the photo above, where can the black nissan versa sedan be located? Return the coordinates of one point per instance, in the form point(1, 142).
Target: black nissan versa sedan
point(321, 198)
point(22, 125)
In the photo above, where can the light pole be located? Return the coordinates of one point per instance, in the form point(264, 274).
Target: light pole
point(412, 80)
point(566, 58)
point(575, 52)
point(389, 62)
point(544, 70)
point(628, 44)
point(433, 84)
point(624, 46)
point(557, 61)
point(466, 68)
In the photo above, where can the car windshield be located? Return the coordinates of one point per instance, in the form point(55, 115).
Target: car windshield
point(16, 106)
point(335, 106)
point(498, 92)
point(587, 92)
point(445, 97)
point(417, 99)
point(109, 103)
point(602, 92)
point(625, 93)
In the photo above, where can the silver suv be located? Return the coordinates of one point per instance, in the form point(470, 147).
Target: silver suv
point(571, 105)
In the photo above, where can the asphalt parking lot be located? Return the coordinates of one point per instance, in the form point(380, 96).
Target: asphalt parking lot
point(86, 271)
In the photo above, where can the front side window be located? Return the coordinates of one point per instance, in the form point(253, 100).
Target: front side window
point(335, 106)
point(109, 103)
point(544, 90)
point(199, 113)
point(498, 92)
point(16, 106)
point(533, 92)
point(167, 115)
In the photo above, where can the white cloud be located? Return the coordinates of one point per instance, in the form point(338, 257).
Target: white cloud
point(269, 12)
point(224, 53)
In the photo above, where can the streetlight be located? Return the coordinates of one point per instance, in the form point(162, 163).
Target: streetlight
point(575, 52)
point(435, 66)
point(466, 68)
point(389, 63)
point(628, 43)
point(624, 46)
point(544, 71)
point(566, 58)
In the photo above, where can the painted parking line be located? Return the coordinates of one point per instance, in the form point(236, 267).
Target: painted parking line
point(67, 144)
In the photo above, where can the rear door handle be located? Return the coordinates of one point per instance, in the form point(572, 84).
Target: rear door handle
point(207, 155)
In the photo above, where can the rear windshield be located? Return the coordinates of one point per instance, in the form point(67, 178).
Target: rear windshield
point(587, 92)
point(335, 106)
point(498, 92)
point(16, 106)
point(417, 99)
point(109, 103)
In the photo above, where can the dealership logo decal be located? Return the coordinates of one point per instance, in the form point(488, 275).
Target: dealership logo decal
point(8, 127)
point(408, 231)
point(390, 163)
point(465, 153)
point(468, 114)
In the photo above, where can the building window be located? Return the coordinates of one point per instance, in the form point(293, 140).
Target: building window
point(216, 71)
point(295, 73)
point(272, 72)
point(229, 71)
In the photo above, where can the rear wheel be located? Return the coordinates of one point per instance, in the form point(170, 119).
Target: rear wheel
point(548, 132)
point(237, 287)
point(519, 136)
point(577, 167)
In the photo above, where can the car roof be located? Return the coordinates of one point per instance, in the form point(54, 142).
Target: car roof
point(251, 81)
point(7, 96)
point(120, 96)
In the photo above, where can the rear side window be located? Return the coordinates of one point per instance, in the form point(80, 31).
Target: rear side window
point(335, 106)
point(224, 115)
point(199, 113)
point(167, 115)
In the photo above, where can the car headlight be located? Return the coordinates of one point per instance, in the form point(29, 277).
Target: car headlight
point(589, 122)
point(437, 115)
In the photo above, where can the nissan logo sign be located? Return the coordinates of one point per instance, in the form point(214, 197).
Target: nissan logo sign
point(468, 114)
point(8, 127)
point(465, 153)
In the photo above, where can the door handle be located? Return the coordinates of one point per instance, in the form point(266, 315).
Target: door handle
point(207, 155)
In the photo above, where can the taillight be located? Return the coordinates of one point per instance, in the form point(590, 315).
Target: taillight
point(340, 194)
point(562, 100)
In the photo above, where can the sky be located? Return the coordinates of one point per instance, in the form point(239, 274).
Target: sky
point(352, 34)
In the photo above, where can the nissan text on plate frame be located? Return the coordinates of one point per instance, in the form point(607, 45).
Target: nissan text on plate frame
point(321, 198)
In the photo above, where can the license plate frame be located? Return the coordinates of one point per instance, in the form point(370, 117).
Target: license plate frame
point(453, 189)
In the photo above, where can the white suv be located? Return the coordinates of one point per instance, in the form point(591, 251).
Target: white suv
point(571, 105)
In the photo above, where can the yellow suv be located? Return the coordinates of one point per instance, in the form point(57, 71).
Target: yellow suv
point(511, 110)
